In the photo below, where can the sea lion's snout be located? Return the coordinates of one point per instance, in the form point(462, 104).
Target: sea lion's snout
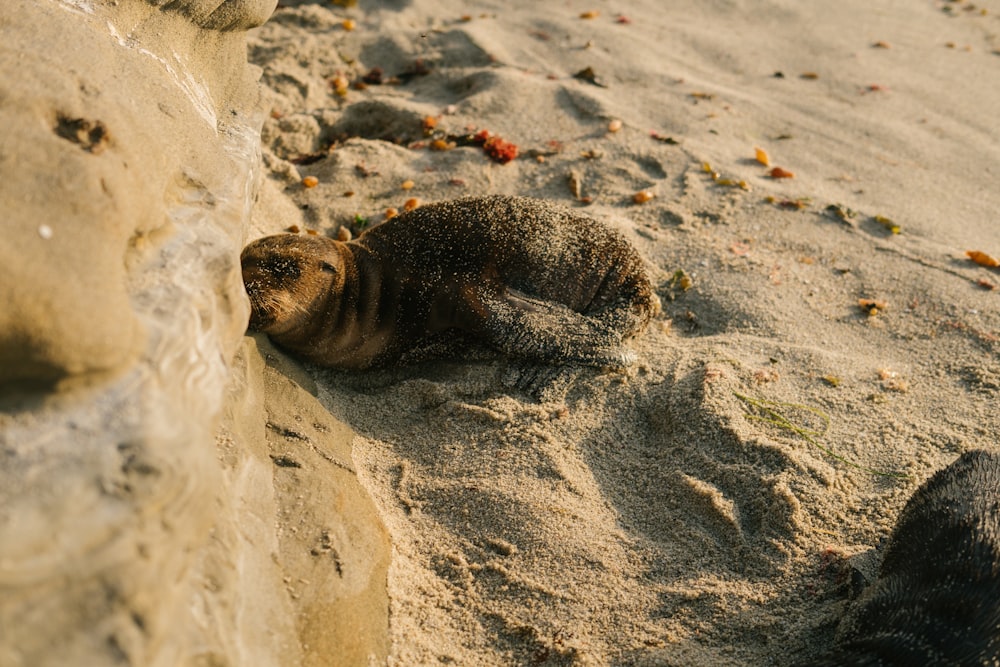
point(260, 318)
point(283, 275)
point(270, 274)
point(259, 285)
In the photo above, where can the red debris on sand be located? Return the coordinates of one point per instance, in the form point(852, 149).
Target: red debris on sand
point(500, 150)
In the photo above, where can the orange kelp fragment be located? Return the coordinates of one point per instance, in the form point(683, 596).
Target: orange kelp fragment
point(762, 157)
point(642, 196)
point(719, 180)
point(442, 145)
point(794, 204)
point(339, 83)
point(778, 172)
point(982, 259)
point(872, 306)
point(662, 138)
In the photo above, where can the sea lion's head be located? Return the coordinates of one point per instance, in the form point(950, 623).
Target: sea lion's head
point(284, 275)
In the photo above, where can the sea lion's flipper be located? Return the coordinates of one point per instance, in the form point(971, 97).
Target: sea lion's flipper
point(544, 383)
point(549, 332)
point(445, 344)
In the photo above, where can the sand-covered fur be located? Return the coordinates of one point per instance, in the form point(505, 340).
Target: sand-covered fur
point(936, 600)
point(534, 280)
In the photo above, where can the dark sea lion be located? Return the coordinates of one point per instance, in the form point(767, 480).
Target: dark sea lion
point(534, 280)
point(936, 600)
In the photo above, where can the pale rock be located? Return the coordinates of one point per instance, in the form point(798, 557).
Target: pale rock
point(133, 529)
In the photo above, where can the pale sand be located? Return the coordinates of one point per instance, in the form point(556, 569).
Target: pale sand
point(645, 519)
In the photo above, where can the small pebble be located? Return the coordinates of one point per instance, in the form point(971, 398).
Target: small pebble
point(310, 182)
point(45, 232)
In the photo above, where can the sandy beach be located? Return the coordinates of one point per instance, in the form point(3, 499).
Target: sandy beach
point(825, 345)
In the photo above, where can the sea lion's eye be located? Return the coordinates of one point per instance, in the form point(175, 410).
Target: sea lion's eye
point(328, 267)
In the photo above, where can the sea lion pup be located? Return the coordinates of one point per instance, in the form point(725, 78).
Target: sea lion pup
point(531, 279)
point(936, 600)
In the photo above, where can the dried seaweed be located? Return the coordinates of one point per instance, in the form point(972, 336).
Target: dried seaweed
point(768, 412)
